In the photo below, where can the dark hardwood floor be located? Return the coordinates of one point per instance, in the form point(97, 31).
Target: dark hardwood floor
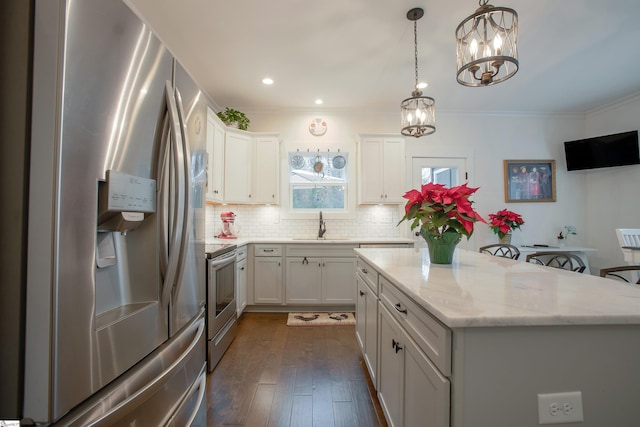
point(275, 375)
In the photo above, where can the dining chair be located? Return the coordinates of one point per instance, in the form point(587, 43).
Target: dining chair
point(501, 250)
point(629, 240)
point(562, 260)
point(618, 273)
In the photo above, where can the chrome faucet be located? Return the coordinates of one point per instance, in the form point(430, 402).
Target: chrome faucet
point(323, 227)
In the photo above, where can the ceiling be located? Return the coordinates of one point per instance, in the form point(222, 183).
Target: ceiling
point(575, 55)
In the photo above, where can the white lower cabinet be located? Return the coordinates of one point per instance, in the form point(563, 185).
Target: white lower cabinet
point(407, 352)
point(320, 274)
point(241, 279)
point(304, 276)
point(411, 390)
point(267, 273)
point(320, 280)
point(338, 284)
point(367, 327)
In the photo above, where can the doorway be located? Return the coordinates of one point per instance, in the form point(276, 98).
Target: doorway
point(450, 171)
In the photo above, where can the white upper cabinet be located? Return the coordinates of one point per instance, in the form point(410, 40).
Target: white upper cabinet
point(266, 176)
point(237, 167)
point(251, 168)
point(215, 158)
point(382, 169)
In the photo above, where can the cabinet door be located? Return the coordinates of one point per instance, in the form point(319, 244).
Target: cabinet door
point(411, 389)
point(367, 328)
point(391, 370)
point(426, 391)
point(382, 170)
point(394, 170)
point(237, 168)
point(215, 158)
point(241, 285)
point(303, 280)
point(268, 280)
point(338, 280)
point(266, 170)
point(371, 178)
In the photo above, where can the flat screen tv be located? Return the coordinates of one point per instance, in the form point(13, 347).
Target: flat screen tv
point(620, 149)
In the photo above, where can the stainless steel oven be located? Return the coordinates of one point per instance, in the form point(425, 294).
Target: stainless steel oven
point(221, 301)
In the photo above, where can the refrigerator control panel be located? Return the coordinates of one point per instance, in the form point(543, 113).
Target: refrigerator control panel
point(123, 201)
point(129, 193)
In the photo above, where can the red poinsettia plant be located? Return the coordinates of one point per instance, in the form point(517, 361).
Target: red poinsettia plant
point(437, 209)
point(504, 221)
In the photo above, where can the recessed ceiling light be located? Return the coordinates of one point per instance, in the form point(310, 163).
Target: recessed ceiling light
point(319, 101)
point(267, 81)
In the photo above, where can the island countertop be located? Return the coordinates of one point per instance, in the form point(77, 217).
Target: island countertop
point(480, 290)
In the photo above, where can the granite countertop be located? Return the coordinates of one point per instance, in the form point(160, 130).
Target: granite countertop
point(480, 290)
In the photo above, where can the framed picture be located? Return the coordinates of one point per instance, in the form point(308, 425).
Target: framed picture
point(529, 181)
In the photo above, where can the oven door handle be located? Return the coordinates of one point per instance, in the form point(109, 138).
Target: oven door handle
point(223, 260)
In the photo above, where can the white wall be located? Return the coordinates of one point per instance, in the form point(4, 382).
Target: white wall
point(613, 193)
point(487, 140)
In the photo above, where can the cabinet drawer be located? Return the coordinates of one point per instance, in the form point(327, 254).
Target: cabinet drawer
point(267, 250)
point(242, 253)
point(320, 250)
point(368, 274)
point(431, 336)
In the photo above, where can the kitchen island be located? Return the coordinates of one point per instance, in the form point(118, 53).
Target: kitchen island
point(475, 343)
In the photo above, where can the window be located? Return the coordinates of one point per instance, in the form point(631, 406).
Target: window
point(318, 180)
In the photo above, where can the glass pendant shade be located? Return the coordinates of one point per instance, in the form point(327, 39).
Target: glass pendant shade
point(486, 44)
point(418, 115)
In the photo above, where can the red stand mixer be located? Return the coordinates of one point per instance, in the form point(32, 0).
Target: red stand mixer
point(228, 228)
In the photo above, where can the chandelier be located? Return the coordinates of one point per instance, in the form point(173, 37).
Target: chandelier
point(486, 46)
point(418, 113)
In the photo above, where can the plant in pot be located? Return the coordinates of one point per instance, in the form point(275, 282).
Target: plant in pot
point(503, 223)
point(234, 118)
point(443, 216)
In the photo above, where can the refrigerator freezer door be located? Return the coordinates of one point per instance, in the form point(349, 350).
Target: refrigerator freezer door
point(169, 385)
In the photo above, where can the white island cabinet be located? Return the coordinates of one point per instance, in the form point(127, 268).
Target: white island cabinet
point(478, 342)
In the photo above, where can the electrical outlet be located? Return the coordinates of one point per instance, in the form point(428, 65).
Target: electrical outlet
point(560, 408)
point(385, 218)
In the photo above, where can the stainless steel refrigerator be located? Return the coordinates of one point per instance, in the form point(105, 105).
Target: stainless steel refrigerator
point(112, 328)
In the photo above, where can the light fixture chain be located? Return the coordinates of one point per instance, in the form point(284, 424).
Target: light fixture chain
point(415, 44)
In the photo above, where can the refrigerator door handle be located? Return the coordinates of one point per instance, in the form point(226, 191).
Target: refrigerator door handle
point(186, 208)
point(158, 382)
point(200, 386)
point(178, 200)
point(162, 197)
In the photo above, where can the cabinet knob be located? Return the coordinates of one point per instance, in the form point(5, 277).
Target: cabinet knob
point(361, 293)
point(364, 270)
point(396, 345)
point(399, 308)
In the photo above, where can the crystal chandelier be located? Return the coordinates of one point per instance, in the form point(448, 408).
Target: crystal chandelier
point(486, 46)
point(418, 113)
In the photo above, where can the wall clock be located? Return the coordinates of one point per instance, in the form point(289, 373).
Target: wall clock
point(318, 127)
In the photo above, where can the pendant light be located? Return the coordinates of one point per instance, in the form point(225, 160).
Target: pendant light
point(486, 46)
point(418, 113)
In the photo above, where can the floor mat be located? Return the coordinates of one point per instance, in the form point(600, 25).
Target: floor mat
point(321, 319)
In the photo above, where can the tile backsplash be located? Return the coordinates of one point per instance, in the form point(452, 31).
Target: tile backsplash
point(265, 221)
